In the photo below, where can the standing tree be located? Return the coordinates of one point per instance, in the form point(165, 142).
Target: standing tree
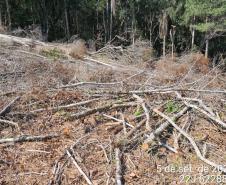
point(66, 19)
point(210, 18)
point(133, 22)
point(0, 16)
point(163, 29)
point(172, 38)
point(113, 9)
point(8, 15)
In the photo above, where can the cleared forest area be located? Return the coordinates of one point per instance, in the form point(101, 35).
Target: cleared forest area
point(105, 117)
point(112, 92)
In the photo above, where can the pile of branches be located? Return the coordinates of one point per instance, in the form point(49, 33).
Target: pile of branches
point(146, 118)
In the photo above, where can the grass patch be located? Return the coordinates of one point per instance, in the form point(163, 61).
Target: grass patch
point(138, 112)
point(52, 53)
point(171, 107)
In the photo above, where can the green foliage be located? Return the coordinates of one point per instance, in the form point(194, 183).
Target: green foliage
point(91, 19)
point(195, 48)
point(172, 107)
point(139, 111)
point(101, 5)
point(52, 54)
point(204, 27)
point(205, 15)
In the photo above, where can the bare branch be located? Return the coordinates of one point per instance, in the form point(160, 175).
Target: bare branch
point(100, 109)
point(142, 101)
point(8, 107)
point(163, 126)
point(66, 106)
point(9, 123)
point(215, 119)
point(26, 138)
point(79, 169)
point(197, 151)
point(119, 120)
point(118, 174)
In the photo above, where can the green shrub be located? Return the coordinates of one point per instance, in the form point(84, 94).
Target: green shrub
point(52, 53)
point(139, 111)
point(171, 107)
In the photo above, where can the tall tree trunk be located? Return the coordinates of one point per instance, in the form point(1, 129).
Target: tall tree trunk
point(111, 22)
point(207, 42)
point(33, 12)
point(172, 36)
point(192, 39)
point(113, 7)
point(66, 19)
point(133, 34)
point(164, 46)
point(193, 35)
point(97, 12)
point(0, 16)
point(133, 25)
point(76, 22)
point(150, 29)
point(45, 24)
point(8, 15)
point(107, 20)
point(172, 50)
point(207, 48)
point(163, 30)
point(105, 29)
point(5, 19)
point(150, 38)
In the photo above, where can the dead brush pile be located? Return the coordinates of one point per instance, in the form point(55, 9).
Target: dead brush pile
point(172, 70)
point(139, 54)
point(79, 122)
point(78, 49)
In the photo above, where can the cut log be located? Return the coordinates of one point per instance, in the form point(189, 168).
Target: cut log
point(12, 40)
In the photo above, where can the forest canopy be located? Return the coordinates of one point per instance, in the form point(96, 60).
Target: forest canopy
point(190, 24)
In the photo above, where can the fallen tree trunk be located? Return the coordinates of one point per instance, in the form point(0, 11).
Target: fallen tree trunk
point(163, 126)
point(101, 109)
point(9, 40)
point(12, 40)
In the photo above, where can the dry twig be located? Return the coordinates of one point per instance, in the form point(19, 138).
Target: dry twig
point(196, 100)
point(168, 91)
point(26, 138)
point(66, 106)
point(119, 120)
point(125, 140)
point(100, 109)
point(142, 101)
point(9, 123)
point(215, 119)
point(163, 126)
point(79, 169)
point(197, 151)
point(8, 107)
